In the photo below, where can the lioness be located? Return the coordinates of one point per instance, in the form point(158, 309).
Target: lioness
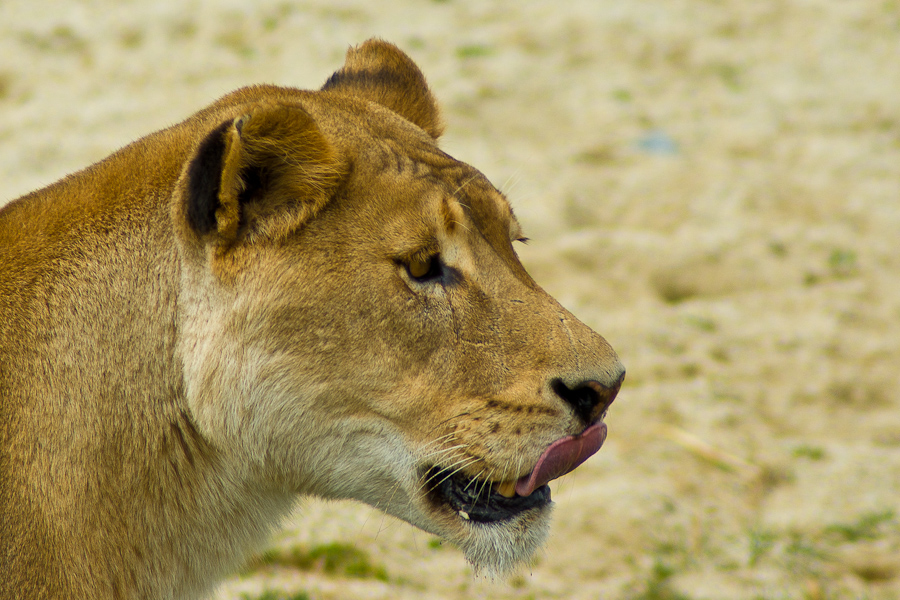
point(291, 292)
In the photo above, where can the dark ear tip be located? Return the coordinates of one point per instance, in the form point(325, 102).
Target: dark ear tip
point(204, 180)
point(381, 72)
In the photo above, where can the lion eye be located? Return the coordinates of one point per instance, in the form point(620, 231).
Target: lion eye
point(423, 269)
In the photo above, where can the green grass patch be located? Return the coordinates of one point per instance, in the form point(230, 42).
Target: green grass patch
point(810, 452)
point(731, 76)
point(843, 262)
point(761, 542)
point(868, 526)
point(341, 560)
point(622, 95)
point(700, 322)
point(804, 555)
point(277, 595)
point(658, 585)
point(474, 51)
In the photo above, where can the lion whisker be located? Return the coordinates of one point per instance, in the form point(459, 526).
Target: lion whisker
point(463, 225)
point(486, 483)
point(461, 186)
point(514, 178)
point(443, 451)
point(451, 473)
point(473, 480)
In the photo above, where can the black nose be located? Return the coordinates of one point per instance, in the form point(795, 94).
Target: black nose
point(589, 399)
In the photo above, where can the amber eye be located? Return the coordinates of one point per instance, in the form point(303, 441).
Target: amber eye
point(425, 268)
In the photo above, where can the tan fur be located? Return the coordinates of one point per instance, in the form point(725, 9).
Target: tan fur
point(174, 373)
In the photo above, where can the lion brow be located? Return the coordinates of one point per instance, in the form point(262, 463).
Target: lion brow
point(453, 214)
point(454, 209)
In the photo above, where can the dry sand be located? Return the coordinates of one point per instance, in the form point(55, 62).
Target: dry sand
point(712, 185)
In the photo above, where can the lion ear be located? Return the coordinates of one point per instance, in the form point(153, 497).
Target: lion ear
point(382, 73)
point(261, 175)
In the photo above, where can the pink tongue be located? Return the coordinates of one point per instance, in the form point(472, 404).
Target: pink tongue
point(562, 457)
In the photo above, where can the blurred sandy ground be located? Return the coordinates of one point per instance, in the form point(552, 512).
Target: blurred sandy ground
point(713, 185)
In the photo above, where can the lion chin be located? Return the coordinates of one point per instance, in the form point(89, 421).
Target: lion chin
point(496, 549)
point(497, 534)
point(291, 293)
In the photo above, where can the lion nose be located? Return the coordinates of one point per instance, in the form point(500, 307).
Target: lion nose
point(588, 398)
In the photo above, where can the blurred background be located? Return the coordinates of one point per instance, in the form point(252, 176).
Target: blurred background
point(713, 185)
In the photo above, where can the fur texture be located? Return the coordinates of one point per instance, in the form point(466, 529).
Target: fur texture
point(223, 316)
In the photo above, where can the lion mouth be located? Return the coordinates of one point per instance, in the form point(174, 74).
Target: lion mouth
point(483, 502)
point(480, 501)
point(562, 457)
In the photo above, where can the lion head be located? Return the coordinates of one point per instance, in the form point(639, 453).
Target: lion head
point(356, 322)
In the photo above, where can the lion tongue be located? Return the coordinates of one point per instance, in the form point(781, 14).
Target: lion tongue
point(562, 457)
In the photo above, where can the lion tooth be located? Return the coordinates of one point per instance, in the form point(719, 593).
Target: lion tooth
point(464, 515)
point(507, 489)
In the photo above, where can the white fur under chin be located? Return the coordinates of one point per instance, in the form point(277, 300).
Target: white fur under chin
point(496, 550)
